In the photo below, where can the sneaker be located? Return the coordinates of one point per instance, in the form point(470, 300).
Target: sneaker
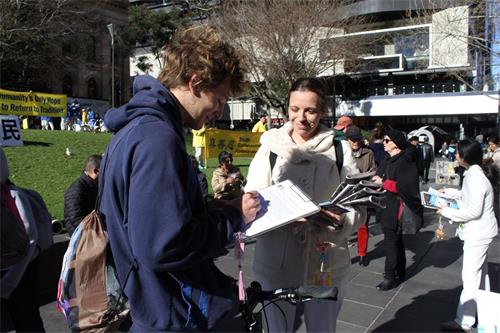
point(453, 326)
point(387, 284)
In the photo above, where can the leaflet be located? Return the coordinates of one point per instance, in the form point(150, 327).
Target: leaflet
point(434, 199)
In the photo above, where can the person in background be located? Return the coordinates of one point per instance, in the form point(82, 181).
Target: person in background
point(81, 195)
point(477, 226)
point(260, 126)
point(304, 153)
point(64, 122)
point(342, 124)
point(452, 150)
point(493, 158)
point(427, 158)
point(47, 123)
point(73, 115)
point(199, 145)
point(377, 146)
point(365, 162)
point(162, 234)
point(202, 178)
point(493, 151)
point(414, 153)
point(18, 282)
point(84, 116)
point(444, 150)
point(399, 177)
point(227, 180)
point(480, 138)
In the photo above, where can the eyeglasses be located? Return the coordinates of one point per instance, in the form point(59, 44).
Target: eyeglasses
point(387, 140)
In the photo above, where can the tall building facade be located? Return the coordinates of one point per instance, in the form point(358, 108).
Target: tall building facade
point(89, 79)
point(426, 67)
point(80, 60)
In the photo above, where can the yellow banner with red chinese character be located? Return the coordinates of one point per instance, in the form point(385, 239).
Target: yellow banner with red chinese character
point(32, 104)
point(239, 143)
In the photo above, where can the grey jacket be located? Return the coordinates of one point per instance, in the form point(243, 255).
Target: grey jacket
point(37, 221)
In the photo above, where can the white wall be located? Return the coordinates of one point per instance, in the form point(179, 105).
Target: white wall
point(422, 104)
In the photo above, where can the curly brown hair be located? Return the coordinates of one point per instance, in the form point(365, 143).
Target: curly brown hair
point(201, 50)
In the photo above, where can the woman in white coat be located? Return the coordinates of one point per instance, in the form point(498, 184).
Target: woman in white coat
point(304, 152)
point(477, 226)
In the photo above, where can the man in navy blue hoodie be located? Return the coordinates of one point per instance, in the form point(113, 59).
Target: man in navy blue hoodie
point(162, 235)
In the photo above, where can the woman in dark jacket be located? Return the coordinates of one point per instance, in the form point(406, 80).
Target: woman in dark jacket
point(399, 177)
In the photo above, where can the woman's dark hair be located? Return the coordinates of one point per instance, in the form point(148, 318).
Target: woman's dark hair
point(314, 85)
point(472, 153)
point(493, 139)
point(225, 155)
point(379, 131)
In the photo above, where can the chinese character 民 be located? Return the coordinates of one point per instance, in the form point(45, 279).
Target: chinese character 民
point(10, 130)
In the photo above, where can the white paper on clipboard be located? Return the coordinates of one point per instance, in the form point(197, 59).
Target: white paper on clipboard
point(281, 204)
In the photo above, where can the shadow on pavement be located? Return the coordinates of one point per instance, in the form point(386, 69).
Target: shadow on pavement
point(439, 254)
point(424, 313)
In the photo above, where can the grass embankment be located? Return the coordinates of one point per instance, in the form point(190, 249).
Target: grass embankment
point(41, 164)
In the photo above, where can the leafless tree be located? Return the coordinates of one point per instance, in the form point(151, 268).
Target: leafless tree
point(461, 36)
point(284, 40)
point(34, 34)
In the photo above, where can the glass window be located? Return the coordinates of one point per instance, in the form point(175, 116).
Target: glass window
point(92, 88)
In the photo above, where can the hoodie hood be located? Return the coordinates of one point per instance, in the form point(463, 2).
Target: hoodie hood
point(150, 97)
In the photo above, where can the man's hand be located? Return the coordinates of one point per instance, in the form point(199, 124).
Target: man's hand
point(248, 204)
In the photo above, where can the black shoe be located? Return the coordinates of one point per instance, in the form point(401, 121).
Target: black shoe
point(363, 261)
point(387, 284)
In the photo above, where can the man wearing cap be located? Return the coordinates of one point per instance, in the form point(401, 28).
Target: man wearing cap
point(342, 124)
point(365, 161)
point(399, 177)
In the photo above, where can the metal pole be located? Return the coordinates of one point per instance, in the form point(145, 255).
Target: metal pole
point(111, 32)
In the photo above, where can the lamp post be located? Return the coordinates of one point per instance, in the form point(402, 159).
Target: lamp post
point(111, 32)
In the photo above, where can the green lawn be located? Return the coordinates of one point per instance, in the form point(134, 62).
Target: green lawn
point(42, 164)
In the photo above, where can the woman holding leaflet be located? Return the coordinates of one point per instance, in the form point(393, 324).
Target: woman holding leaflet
point(303, 151)
point(477, 228)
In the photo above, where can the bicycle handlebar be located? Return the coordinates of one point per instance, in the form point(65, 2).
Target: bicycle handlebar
point(294, 294)
point(256, 295)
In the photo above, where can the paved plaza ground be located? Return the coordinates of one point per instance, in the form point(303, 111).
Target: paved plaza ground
point(428, 296)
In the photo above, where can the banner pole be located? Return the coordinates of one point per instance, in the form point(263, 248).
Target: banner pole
point(205, 150)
